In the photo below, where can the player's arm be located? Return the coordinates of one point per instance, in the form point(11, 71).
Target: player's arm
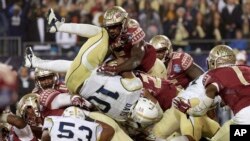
point(194, 71)
point(107, 132)
point(21, 128)
point(205, 103)
point(37, 131)
point(14, 120)
point(53, 99)
point(45, 136)
point(137, 54)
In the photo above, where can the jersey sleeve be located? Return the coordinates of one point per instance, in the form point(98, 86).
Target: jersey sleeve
point(186, 61)
point(210, 78)
point(47, 96)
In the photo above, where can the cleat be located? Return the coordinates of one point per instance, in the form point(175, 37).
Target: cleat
point(28, 57)
point(53, 22)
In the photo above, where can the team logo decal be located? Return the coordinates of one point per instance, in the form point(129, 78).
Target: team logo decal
point(177, 68)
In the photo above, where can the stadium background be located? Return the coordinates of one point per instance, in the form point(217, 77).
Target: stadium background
point(194, 26)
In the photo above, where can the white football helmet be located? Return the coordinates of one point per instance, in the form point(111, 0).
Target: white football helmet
point(75, 112)
point(145, 112)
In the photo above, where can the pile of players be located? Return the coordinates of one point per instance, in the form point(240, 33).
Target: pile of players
point(121, 88)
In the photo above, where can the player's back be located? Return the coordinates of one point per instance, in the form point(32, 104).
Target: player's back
point(233, 84)
point(68, 129)
point(176, 68)
point(161, 89)
point(113, 95)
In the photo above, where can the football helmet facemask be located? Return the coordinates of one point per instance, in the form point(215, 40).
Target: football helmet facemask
point(45, 79)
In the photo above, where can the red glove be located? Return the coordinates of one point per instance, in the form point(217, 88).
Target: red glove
point(80, 102)
point(110, 70)
point(181, 104)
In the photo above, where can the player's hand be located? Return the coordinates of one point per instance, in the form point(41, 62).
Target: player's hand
point(110, 70)
point(181, 104)
point(53, 22)
point(78, 101)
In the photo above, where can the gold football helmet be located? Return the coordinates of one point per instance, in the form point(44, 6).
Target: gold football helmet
point(114, 16)
point(28, 109)
point(46, 79)
point(221, 55)
point(162, 44)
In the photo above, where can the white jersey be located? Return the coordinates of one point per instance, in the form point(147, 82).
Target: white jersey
point(196, 89)
point(113, 95)
point(71, 129)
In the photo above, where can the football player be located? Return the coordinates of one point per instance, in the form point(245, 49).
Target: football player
point(181, 68)
point(165, 92)
point(27, 116)
point(93, 52)
point(78, 125)
point(233, 90)
point(54, 101)
point(54, 96)
point(45, 79)
point(120, 96)
point(126, 40)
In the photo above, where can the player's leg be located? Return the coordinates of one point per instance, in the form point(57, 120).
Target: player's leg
point(90, 56)
point(191, 127)
point(168, 124)
point(119, 135)
point(210, 127)
point(31, 60)
point(223, 133)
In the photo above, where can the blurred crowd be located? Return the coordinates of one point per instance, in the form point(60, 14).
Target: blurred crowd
point(186, 22)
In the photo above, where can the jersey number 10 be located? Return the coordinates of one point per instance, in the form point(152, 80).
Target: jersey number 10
point(103, 105)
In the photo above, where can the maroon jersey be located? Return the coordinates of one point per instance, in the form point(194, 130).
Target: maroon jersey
point(161, 89)
point(176, 68)
point(46, 99)
point(125, 51)
point(233, 85)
